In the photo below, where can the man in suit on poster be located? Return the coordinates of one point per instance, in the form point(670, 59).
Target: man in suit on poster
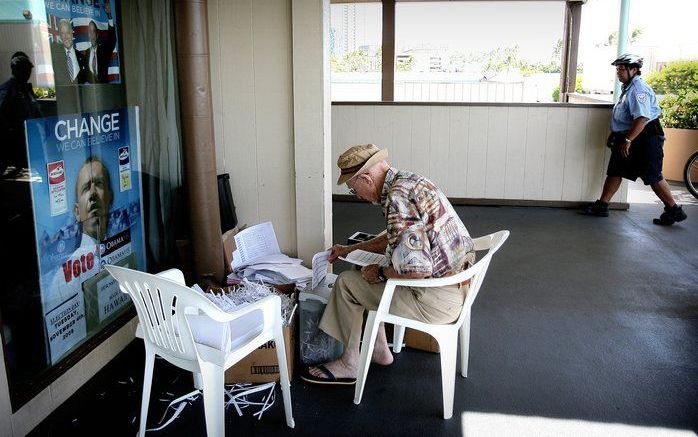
point(99, 53)
point(69, 63)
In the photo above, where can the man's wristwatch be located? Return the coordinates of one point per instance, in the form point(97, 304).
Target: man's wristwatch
point(381, 274)
point(628, 141)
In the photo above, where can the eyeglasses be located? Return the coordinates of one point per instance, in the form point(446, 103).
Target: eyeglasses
point(352, 190)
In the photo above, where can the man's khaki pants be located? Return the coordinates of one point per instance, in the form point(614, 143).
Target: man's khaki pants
point(351, 294)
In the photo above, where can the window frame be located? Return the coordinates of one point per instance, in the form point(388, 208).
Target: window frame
point(568, 66)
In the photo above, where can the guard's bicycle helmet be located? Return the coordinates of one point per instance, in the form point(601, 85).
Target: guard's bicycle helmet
point(628, 59)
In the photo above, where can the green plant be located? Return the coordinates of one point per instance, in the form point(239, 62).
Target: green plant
point(679, 81)
point(680, 111)
point(677, 77)
point(577, 88)
point(45, 93)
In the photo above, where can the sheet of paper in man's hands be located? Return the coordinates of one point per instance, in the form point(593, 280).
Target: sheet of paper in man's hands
point(363, 258)
point(319, 267)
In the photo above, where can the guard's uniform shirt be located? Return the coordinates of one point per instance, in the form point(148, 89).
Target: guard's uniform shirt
point(636, 100)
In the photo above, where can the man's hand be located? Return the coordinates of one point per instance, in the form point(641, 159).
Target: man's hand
point(370, 274)
point(338, 250)
point(625, 149)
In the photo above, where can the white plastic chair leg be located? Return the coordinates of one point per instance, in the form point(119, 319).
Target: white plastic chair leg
point(284, 376)
point(398, 337)
point(147, 384)
point(448, 345)
point(198, 381)
point(465, 345)
point(369, 341)
point(214, 409)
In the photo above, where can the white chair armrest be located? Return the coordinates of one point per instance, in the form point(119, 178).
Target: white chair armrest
point(482, 243)
point(390, 285)
point(175, 275)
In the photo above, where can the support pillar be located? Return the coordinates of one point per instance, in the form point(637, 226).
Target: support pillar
point(622, 40)
point(196, 115)
point(311, 126)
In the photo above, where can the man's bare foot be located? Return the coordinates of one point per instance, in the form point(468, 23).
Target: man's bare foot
point(344, 367)
point(339, 368)
point(382, 355)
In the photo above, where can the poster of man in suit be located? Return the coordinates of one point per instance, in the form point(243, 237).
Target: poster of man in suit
point(83, 39)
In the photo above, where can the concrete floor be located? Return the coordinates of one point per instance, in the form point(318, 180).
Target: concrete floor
point(584, 326)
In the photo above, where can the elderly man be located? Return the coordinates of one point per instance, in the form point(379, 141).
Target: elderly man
point(69, 64)
point(424, 238)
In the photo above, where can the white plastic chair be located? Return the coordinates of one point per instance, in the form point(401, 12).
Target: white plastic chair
point(186, 329)
point(445, 335)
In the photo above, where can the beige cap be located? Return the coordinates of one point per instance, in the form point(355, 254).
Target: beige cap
point(358, 159)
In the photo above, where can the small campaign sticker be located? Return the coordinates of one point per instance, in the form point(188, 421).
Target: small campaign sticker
point(124, 169)
point(58, 199)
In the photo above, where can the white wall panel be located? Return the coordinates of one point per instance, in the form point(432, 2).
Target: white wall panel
point(401, 152)
point(439, 145)
point(545, 153)
point(477, 152)
point(457, 169)
point(516, 153)
point(383, 122)
point(534, 160)
point(231, 29)
point(271, 21)
point(575, 139)
point(365, 125)
point(554, 161)
point(342, 116)
point(497, 120)
point(251, 53)
point(421, 122)
point(595, 159)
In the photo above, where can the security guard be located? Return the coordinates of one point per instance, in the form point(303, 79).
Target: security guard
point(636, 142)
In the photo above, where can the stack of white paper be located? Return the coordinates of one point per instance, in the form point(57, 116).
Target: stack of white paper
point(258, 258)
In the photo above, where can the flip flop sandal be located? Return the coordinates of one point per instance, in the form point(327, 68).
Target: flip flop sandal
point(329, 379)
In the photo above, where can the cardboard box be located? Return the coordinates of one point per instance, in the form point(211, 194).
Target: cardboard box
point(261, 365)
point(229, 246)
point(420, 340)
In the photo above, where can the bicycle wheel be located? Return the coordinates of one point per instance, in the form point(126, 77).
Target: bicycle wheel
point(690, 175)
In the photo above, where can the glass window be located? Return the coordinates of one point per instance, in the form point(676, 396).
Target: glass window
point(659, 34)
point(355, 51)
point(75, 184)
point(478, 51)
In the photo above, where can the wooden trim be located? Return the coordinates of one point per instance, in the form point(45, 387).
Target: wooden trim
point(568, 64)
point(388, 57)
point(502, 104)
point(459, 201)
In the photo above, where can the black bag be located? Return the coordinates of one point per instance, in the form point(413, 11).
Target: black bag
point(615, 139)
point(225, 201)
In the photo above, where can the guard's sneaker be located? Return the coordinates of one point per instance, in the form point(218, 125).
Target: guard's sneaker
point(598, 209)
point(671, 215)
